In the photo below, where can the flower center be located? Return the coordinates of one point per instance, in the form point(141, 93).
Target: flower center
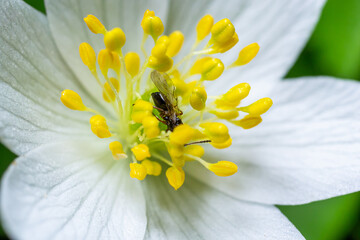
point(165, 115)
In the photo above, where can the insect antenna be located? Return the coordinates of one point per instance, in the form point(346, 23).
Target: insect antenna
point(203, 141)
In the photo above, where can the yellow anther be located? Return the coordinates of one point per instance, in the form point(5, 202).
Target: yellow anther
point(259, 107)
point(176, 42)
point(152, 24)
point(160, 64)
point(114, 39)
point(212, 69)
point(152, 168)
point(158, 59)
point(108, 92)
point(232, 98)
point(225, 114)
point(140, 110)
point(151, 126)
point(105, 61)
point(175, 150)
point(99, 126)
point(222, 32)
point(217, 132)
point(204, 26)
point(198, 98)
point(249, 121)
point(197, 68)
point(223, 168)
point(181, 86)
point(182, 134)
point(137, 171)
point(159, 50)
point(175, 176)
point(94, 24)
point(88, 56)
point(247, 54)
point(72, 100)
point(117, 151)
point(194, 150)
point(222, 145)
point(224, 47)
point(115, 63)
point(164, 40)
point(132, 63)
point(141, 152)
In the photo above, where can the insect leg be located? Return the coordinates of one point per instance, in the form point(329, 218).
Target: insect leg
point(160, 120)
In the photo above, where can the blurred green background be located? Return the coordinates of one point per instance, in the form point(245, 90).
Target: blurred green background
point(333, 50)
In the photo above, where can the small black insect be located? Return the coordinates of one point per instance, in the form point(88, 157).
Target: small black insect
point(165, 100)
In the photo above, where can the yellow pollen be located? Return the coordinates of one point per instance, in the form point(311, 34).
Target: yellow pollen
point(159, 107)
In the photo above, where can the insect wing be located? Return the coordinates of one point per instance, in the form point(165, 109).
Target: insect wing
point(163, 82)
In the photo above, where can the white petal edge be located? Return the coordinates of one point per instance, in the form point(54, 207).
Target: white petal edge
point(69, 29)
point(306, 149)
point(72, 190)
point(281, 28)
point(196, 211)
point(32, 77)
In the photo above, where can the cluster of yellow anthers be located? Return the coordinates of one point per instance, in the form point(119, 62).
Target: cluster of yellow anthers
point(137, 124)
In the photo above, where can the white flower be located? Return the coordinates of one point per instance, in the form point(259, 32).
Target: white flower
point(65, 185)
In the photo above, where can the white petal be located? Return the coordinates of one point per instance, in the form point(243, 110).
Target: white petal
point(281, 28)
point(32, 77)
point(307, 148)
point(71, 190)
point(196, 211)
point(69, 28)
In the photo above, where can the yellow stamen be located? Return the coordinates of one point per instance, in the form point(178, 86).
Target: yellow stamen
point(175, 176)
point(247, 54)
point(115, 39)
point(212, 69)
point(223, 168)
point(204, 26)
point(194, 150)
point(72, 100)
point(94, 24)
point(152, 167)
point(132, 63)
point(248, 121)
point(117, 151)
point(152, 25)
point(176, 42)
point(198, 98)
point(137, 171)
point(141, 109)
point(151, 126)
point(107, 92)
point(88, 56)
point(259, 107)
point(141, 152)
point(99, 126)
